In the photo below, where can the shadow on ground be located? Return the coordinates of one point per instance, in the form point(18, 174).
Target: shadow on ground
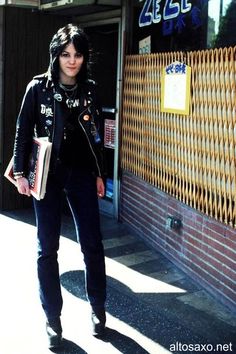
point(137, 311)
point(68, 347)
point(165, 318)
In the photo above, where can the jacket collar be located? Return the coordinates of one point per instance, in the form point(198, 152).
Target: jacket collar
point(47, 76)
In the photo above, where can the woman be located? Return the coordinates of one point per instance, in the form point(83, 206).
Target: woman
point(61, 104)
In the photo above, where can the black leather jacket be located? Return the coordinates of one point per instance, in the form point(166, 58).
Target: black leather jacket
point(42, 114)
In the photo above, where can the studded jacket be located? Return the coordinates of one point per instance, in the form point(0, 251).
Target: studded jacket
point(43, 115)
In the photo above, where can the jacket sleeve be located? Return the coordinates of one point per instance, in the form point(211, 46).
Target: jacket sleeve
point(24, 131)
point(99, 122)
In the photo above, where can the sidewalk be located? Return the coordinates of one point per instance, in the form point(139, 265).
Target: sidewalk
point(152, 307)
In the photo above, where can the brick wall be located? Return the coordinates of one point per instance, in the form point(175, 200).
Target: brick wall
point(203, 247)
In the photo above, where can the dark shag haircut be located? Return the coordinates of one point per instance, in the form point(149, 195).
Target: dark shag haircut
point(65, 36)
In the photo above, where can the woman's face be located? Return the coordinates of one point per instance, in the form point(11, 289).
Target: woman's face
point(70, 63)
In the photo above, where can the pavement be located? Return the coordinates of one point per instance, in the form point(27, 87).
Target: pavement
point(152, 306)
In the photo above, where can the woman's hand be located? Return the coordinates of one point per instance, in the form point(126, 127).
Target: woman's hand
point(23, 186)
point(100, 187)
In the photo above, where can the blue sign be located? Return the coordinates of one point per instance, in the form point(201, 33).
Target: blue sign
point(172, 15)
point(150, 12)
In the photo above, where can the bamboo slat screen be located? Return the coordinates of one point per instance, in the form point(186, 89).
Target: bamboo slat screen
point(192, 158)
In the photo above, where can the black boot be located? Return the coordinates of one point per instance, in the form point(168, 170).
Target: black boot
point(54, 332)
point(98, 317)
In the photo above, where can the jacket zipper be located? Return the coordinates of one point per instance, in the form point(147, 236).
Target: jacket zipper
point(54, 120)
point(91, 148)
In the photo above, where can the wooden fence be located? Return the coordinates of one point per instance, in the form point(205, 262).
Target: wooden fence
point(192, 158)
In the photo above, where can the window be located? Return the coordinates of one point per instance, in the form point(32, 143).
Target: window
point(171, 25)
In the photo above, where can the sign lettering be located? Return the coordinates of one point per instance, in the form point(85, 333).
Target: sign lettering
point(151, 11)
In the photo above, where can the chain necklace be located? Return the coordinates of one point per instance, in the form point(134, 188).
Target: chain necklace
point(70, 93)
point(68, 88)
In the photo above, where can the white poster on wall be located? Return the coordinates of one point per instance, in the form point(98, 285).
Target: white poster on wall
point(175, 88)
point(145, 45)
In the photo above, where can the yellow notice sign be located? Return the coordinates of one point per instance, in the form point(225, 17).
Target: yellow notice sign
point(175, 88)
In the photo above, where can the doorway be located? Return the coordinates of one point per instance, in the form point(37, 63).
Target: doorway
point(105, 41)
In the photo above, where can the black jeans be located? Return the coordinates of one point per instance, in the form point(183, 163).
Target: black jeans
point(81, 194)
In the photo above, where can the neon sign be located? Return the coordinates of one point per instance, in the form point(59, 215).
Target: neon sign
point(151, 11)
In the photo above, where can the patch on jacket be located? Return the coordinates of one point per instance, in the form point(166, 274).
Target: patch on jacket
point(46, 110)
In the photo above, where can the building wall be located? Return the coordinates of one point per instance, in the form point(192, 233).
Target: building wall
point(203, 247)
point(25, 40)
